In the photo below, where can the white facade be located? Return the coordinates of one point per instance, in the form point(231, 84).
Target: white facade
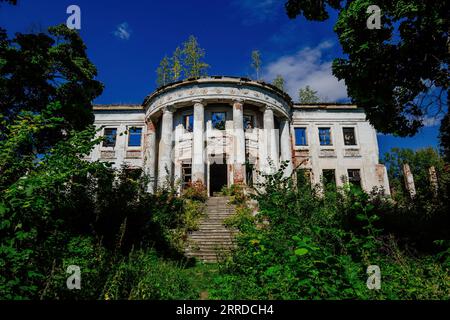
point(178, 135)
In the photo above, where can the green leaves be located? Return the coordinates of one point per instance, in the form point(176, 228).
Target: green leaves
point(186, 62)
point(301, 251)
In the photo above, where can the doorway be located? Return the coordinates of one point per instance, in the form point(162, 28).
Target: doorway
point(217, 177)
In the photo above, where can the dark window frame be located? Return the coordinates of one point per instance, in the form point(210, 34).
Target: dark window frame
point(251, 122)
point(110, 143)
point(354, 179)
point(188, 125)
point(352, 141)
point(222, 122)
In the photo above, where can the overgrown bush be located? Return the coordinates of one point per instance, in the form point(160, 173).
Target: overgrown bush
point(308, 244)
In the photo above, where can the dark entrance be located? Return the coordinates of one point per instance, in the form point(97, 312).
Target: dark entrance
point(217, 177)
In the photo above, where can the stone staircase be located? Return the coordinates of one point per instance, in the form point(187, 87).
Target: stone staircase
point(212, 238)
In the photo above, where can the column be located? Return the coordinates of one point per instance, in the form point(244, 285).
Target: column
point(271, 137)
point(198, 143)
point(165, 148)
point(239, 142)
point(150, 154)
point(286, 146)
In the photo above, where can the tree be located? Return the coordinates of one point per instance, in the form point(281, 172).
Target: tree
point(193, 55)
point(444, 137)
point(256, 62)
point(42, 70)
point(278, 82)
point(399, 73)
point(176, 67)
point(163, 72)
point(308, 95)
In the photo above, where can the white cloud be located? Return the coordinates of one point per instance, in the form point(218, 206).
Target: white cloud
point(306, 67)
point(257, 11)
point(123, 31)
point(429, 121)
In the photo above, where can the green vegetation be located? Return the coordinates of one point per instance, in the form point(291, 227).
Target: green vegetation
point(186, 62)
point(306, 243)
point(278, 82)
point(307, 95)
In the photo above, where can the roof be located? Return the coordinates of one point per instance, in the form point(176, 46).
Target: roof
point(326, 106)
point(220, 79)
point(122, 107)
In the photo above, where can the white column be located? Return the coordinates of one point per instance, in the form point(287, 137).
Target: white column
point(150, 154)
point(198, 143)
point(286, 146)
point(271, 136)
point(239, 142)
point(165, 148)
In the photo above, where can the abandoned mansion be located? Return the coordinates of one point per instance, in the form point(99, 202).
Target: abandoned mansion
point(225, 130)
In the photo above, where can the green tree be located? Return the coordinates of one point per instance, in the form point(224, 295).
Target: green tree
point(256, 62)
point(163, 72)
point(176, 64)
point(444, 137)
point(194, 66)
point(308, 95)
point(399, 73)
point(278, 82)
point(37, 70)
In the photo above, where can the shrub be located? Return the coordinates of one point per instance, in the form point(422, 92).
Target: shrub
point(195, 191)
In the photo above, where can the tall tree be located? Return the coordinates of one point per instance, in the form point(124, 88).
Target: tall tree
point(163, 72)
point(278, 82)
point(256, 62)
point(176, 64)
point(307, 95)
point(42, 70)
point(399, 72)
point(194, 66)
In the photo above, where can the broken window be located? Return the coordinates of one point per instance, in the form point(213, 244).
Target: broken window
point(329, 179)
point(188, 122)
point(354, 177)
point(248, 122)
point(134, 137)
point(325, 136)
point(218, 120)
point(300, 136)
point(110, 135)
point(349, 136)
point(186, 174)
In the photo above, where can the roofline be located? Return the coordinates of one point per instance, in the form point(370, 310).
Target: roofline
point(326, 105)
point(216, 78)
point(122, 107)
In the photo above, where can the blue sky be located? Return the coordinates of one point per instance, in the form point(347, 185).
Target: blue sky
point(127, 39)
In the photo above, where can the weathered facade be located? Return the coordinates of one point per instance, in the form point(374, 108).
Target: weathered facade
point(225, 130)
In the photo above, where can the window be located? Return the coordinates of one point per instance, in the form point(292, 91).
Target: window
point(134, 138)
point(329, 178)
point(186, 174)
point(188, 122)
point(354, 177)
point(248, 122)
point(110, 136)
point(300, 136)
point(349, 136)
point(325, 136)
point(218, 120)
